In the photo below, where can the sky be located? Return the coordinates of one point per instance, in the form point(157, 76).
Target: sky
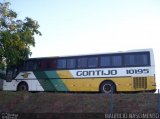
point(73, 27)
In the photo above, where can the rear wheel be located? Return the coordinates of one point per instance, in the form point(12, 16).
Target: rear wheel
point(22, 87)
point(107, 87)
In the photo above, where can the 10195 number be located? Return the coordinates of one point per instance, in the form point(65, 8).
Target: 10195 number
point(137, 71)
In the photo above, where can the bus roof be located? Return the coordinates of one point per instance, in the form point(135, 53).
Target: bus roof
point(80, 55)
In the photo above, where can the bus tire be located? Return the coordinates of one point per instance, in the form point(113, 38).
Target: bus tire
point(22, 86)
point(107, 87)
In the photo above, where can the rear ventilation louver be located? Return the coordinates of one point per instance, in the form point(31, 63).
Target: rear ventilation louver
point(140, 82)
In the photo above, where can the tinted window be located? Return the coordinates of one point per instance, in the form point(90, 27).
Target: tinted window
point(141, 59)
point(92, 62)
point(116, 60)
point(26, 66)
point(105, 61)
point(129, 60)
point(43, 64)
point(136, 59)
point(61, 63)
point(31, 65)
point(82, 62)
point(52, 64)
point(71, 63)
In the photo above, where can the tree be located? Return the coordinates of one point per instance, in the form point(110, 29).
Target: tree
point(16, 36)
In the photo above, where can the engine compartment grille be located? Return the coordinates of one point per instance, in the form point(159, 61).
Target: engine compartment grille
point(140, 82)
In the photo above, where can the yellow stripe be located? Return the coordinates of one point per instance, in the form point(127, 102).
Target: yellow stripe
point(64, 74)
point(82, 84)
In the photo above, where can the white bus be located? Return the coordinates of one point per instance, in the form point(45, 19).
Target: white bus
point(129, 71)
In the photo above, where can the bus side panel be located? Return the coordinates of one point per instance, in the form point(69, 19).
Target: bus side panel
point(82, 84)
point(34, 85)
point(123, 84)
point(93, 84)
point(151, 84)
point(9, 86)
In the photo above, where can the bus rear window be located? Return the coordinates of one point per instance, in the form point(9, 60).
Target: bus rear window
point(137, 59)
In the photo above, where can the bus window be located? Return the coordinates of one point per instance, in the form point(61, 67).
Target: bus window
point(11, 73)
point(136, 60)
point(35, 65)
point(116, 60)
point(92, 62)
point(105, 61)
point(141, 59)
point(43, 64)
point(52, 64)
point(61, 63)
point(82, 62)
point(26, 65)
point(71, 63)
point(31, 65)
point(129, 60)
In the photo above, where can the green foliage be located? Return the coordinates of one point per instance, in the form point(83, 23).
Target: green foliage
point(16, 36)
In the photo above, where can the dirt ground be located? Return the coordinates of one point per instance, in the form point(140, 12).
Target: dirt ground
point(50, 102)
point(51, 105)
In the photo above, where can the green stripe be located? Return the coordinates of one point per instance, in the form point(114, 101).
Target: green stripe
point(50, 81)
point(57, 82)
point(52, 74)
point(43, 80)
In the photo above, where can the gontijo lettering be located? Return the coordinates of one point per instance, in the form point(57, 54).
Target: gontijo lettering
point(96, 73)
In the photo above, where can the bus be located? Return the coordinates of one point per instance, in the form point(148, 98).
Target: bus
point(127, 71)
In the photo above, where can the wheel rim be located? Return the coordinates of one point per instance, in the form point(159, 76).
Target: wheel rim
point(107, 88)
point(23, 88)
